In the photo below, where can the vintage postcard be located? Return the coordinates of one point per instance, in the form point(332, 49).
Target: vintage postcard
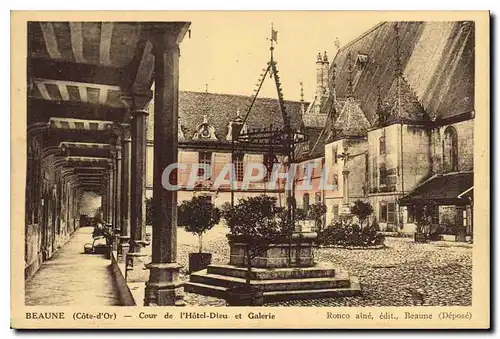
point(318, 169)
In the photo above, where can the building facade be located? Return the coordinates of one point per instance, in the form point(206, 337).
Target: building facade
point(401, 104)
point(205, 131)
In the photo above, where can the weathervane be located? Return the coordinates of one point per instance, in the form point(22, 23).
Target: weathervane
point(273, 39)
point(281, 140)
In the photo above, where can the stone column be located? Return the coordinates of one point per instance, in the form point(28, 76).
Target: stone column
point(346, 210)
point(135, 269)
point(125, 201)
point(118, 193)
point(111, 199)
point(108, 197)
point(345, 174)
point(104, 198)
point(164, 285)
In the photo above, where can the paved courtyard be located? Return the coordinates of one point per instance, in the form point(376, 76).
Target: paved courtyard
point(402, 274)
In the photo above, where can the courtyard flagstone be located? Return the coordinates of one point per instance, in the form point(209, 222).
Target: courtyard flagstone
point(404, 273)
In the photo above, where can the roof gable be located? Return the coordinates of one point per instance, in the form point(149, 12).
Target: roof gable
point(400, 104)
point(351, 121)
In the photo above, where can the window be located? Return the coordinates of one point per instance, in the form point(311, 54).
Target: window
point(269, 161)
point(465, 220)
point(383, 211)
point(361, 62)
point(435, 214)
point(305, 202)
point(382, 175)
point(382, 145)
point(335, 211)
point(205, 160)
point(387, 212)
point(450, 150)
point(317, 197)
point(335, 151)
point(238, 166)
point(391, 213)
point(411, 214)
point(336, 180)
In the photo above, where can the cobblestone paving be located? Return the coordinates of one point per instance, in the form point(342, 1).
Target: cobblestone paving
point(71, 277)
point(402, 274)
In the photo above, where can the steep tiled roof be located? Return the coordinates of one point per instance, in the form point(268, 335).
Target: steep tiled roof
point(352, 120)
point(220, 109)
point(401, 104)
point(437, 60)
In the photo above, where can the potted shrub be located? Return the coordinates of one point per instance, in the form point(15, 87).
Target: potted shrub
point(255, 222)
point(362, 210)
point(197, 216)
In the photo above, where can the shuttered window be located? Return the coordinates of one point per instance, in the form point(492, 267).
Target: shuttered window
point(204, 159)
point(239, 168)
point(391, 213)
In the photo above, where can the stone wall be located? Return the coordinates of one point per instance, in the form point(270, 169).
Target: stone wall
point(416, 165)
point(58, 217)
point(384, 159)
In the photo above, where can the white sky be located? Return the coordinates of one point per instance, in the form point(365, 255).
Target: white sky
point(228, 51)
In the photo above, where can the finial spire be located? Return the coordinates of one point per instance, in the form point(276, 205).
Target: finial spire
point(337, 42)
point(325, 57)
point(399, 67)
point(206, 88)
point(398, 70)
point(334, 81)
point(302, 106)
point(380, 109)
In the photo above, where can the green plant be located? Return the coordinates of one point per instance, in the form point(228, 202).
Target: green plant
point(225, 209)
point(351, 235)
point(362, 210)
point(198, 215)
point(256, 222)
point(300, 214)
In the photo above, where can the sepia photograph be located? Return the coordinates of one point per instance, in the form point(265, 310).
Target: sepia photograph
point(220, 162)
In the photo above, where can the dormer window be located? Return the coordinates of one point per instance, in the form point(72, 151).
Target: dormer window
point(361, 62)
point(205, 131)
point(362, 59)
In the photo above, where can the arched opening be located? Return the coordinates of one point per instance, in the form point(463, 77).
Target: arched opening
point(450, 150)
